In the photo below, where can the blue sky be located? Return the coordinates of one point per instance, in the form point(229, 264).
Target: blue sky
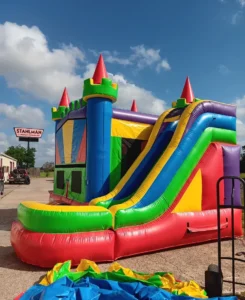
point(149, 48)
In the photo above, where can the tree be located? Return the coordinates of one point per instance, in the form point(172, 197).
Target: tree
point(24, 157)
point(242, 160)
point(30, 157)
point(48, 167)
point(242, 153)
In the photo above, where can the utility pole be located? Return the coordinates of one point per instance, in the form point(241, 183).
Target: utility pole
point(28, 148)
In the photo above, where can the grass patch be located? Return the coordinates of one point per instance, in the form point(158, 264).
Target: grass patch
point(46, 174)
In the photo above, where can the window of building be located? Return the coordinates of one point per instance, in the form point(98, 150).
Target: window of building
point(76, 182)
point(60, 180)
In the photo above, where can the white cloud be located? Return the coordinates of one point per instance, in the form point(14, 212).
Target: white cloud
point(127, 91)
point(28, 64)
point(236, 17)
point(46, 149)
point(240, 112)
point(223, 70)
point(163, 65)
point(89, 71)
point(141, 56)
point(146, 101)
point(112, 57)
point(4, 143)
point(145, 57)
point(241, 2)
point(240, 104)
point(22, 115)
point(240, 132)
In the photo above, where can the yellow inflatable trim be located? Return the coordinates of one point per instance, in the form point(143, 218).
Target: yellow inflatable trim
point(191, 201)
point(134, 130)
point(62, 208)
point(67, 131)
point(168, 281)
point(151, 177)
point(130, 130)
point(136, 163)
point(173, 119)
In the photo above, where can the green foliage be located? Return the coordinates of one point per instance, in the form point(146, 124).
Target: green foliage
point(30, 157)
point(242, 153)
point(24, 157)
point(46, 174)
point(242, 160)
point(48, 167)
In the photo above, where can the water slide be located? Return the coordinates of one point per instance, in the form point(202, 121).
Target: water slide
point(158, 212)
point(146, 205)
point(159, 189)
point(158, 141)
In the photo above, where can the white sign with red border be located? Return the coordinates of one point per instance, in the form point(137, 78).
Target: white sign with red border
point(28, 132)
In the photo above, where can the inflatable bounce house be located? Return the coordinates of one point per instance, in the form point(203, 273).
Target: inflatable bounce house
point(128, 183)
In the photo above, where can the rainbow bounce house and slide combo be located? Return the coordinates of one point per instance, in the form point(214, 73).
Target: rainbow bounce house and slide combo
point(128, 183)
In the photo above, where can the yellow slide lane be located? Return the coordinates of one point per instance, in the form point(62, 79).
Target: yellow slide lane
point(136, 163)
point(151, 177)
point(62, 208)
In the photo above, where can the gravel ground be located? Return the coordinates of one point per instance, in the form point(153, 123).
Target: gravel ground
point(186, 263)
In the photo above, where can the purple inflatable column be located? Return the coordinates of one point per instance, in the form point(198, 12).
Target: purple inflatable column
point(231, 155)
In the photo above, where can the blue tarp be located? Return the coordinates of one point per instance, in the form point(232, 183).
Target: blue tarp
point(96, 289)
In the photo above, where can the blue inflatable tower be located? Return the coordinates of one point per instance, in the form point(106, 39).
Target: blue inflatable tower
point(99, 93)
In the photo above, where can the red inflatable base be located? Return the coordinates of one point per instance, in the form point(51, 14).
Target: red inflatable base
point(176, 230)
point(46, 249)
point(168, 231)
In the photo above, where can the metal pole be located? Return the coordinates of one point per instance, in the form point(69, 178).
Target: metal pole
point(233, 237)
point(28, 148)
point(218, 220)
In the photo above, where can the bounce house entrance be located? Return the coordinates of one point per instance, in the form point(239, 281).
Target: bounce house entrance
point(130, 151)
point(124, 152)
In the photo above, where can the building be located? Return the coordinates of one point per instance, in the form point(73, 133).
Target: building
point(8, 163)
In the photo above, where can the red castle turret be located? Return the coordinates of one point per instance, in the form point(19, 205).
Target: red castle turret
point(60, 112)
point(134, 106)
point(100, 71)
point(65, 100)
point(187, 92)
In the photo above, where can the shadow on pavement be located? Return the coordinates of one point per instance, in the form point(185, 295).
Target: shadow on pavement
point(9, 260)
point(7, 216)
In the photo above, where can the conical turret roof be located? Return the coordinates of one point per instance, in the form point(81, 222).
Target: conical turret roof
point(187, 92)
point(134, 106)
point(100, 71)
point(64, 101)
